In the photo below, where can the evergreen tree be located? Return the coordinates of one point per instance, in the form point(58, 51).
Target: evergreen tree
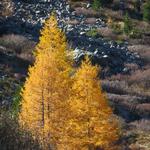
point(47, 87)
point(90, 124)
point(127, 24)
point(146, 13)
point(96, 4)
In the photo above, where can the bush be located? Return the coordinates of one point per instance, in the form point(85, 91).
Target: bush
point(135, 34)
point(117, 28)
point(17, 43)
point(127, 24)
point(16, 102)
point(7, 88)
point(12, 137)
point(92, 33)
point(99, 3)
point(96, 4)
point(146, 11)
point(105, 2)
point(6, 8)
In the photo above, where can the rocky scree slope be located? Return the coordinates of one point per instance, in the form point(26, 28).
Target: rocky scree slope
point(29, 16)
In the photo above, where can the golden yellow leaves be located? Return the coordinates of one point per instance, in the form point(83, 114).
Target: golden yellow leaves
point(60, 106)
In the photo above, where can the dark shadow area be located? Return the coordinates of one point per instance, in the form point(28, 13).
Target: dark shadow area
point(16, 64)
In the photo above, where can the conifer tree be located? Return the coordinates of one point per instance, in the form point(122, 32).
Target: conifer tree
point(50, 35)
point(146, 11)
point(127, 24)
point(90, 124)
point(47, 87)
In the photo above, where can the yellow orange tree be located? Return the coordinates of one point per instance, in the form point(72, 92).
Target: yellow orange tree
point(47, 87)
point(50, 35)
point(90, 124)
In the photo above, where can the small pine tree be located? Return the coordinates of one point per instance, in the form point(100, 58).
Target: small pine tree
point(90, 124)
point(146, 13)
point(97, 4)
point(16, 102)
point(127, 24)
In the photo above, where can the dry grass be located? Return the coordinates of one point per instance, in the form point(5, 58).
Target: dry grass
point(11, 137)
point(143, 51)
point(143, 124)
point(90, 21)
point(141, 77)
point(72, 22)
point(116, 15)
point(106, 32)
point(77, 3)
point(17, 45)
point(6, 8)
point(87, 12)
point(109, 33)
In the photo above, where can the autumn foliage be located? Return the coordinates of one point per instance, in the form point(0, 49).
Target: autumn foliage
point(47, 86)
point(65, 110)
point(90, 124)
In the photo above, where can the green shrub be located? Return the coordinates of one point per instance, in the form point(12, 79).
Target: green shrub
point(117, 28)
point(92, 33)
point(119, 41)
point(127, 24)
point(146, 11)
point(96, 4)
point(99, 3)
point(135, 34)
point(16, 102)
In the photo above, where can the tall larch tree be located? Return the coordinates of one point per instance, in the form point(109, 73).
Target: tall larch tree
point(91, 123)
point(51, 36)
point(47, 87)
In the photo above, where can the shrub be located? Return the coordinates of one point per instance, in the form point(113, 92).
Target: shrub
point(7, 88)
point(92, 33)
point(116, 28)
point(96, 4)
point(6, 8)
point(17, 43)
point(143, 51)
point(12, 137)
point(105, 2)
point(146, 11)
point(135, 34)
point(99, 3)
point(127, 24)
point(16, 102)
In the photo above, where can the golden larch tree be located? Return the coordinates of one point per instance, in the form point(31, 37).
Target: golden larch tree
point(47, 88)
point(91, 123)
point(50, 35)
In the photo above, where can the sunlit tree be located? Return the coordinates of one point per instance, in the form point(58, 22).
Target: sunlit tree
point(47, 87)
point(91, 122)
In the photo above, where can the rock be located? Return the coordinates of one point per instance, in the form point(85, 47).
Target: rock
point(105, 56)
point(81, 33)
point(88, 5)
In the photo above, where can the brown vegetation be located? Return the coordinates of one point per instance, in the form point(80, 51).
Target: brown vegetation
point(12, 137)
